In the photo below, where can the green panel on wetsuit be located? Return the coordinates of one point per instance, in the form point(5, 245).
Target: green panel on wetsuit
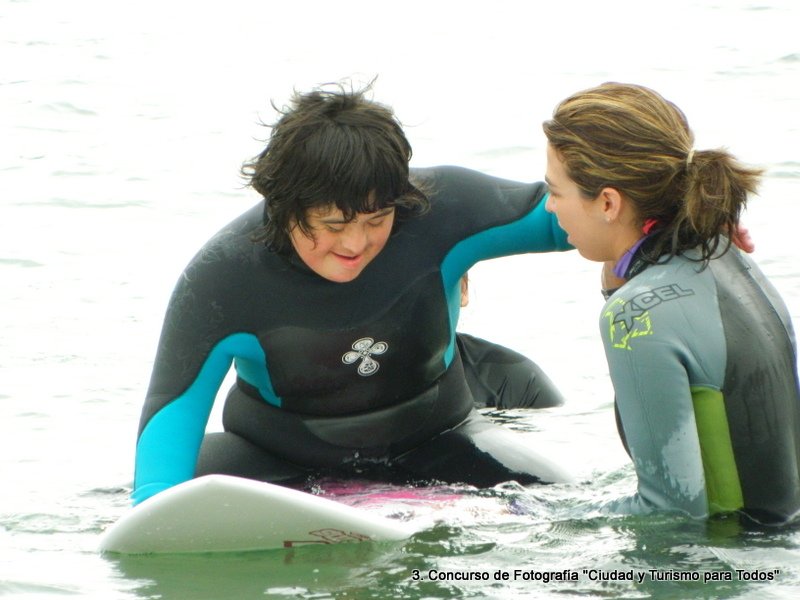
point(723, 487)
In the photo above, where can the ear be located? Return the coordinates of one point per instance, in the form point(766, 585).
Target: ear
point(464, 290)
point(610, 203)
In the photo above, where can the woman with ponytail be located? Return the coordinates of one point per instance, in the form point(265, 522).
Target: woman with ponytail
point(700, 346)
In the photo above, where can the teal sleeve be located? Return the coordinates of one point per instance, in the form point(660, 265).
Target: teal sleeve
point(169, 444)
point(537, 231)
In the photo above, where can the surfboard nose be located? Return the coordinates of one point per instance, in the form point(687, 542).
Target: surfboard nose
point(222, 513)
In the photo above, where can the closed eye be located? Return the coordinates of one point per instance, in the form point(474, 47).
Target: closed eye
point(378, 219)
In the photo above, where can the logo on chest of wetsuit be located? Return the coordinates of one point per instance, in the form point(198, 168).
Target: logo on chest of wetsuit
point(643, 302)
point(631, 319)
point(363, 350)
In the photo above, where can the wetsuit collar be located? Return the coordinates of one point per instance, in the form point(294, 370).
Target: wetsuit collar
point(638, 258)
point(624, 263)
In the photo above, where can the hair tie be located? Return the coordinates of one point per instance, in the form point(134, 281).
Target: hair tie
point(648, 225)
point(689, 157)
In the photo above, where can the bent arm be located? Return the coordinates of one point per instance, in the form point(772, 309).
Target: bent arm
point(169, 442)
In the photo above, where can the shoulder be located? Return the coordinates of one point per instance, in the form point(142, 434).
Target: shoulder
point(450, 179)
point(476, 199)
point(226, 259)
point(677, 298)
point(679, 278)
point(234, 242)
point(240, 231)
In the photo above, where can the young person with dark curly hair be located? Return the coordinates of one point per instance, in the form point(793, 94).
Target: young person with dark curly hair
point(336, 299)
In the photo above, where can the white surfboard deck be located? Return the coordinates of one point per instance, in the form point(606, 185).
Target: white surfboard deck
point(221, 513)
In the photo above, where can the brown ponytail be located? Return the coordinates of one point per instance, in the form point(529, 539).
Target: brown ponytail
point(717, 186)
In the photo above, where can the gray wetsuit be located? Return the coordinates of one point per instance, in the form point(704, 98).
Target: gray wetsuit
point(704, 366)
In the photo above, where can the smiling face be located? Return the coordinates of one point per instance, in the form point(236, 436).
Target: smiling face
point(586, 221)
point(339, 249)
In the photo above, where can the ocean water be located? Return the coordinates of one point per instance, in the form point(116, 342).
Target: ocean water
point(123, 127)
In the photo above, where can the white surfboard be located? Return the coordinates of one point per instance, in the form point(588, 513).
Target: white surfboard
point(220, 513)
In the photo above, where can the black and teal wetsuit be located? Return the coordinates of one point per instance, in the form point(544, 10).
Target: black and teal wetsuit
point(340, 375)
point(704, 366)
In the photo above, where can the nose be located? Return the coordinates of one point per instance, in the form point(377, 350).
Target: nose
point(550, 204)
point(354, 238)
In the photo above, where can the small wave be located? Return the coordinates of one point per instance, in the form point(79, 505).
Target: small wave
point(107, 491)
point(61, 173)
point(42, 523)
point(74, 203)
point(26, 587)
point(62, 107)
point(20, 262)
point(785, 170)
point(785, 174)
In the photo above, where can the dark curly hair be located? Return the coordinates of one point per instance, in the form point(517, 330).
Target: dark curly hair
point(332, 146)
